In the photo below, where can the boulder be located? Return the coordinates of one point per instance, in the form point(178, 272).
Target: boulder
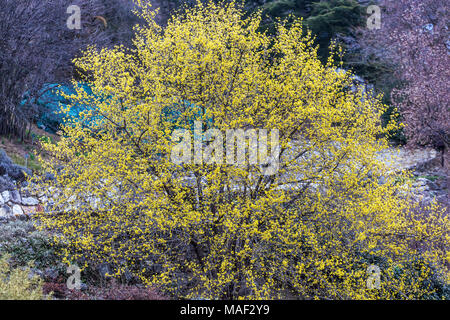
point(17, 210)
point(6, 197)
point(30, 201)
point(15, 197)
point(5, 212)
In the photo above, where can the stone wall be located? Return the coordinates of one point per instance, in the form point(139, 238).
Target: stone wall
point(14, 205)
point(430, 181)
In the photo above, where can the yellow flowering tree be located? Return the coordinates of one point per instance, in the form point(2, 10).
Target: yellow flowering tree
point(199, 225)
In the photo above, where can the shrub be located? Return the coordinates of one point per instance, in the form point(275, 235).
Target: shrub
point(217, 230)
point(113, 291)
point(24, 244)
point(17, 284)
point(60, 291)
point(118, 291)
point(414, 39)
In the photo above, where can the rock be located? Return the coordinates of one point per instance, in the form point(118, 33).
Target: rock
point(420, 182)
point(30, 201)
point(441, 184)
point(433, 186)
point(12, 170)
point(15, 197)
point(17, 210)
point(421, 189)
point(2, 202)
point(5, 212)
point(6, 197)
point(29, 211)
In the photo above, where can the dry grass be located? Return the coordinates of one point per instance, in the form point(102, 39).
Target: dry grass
point(24, 152)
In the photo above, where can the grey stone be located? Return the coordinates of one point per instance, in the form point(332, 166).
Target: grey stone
point(6, 196)
point(30, 201)
point(5, 211)
point(15, 197)
point(17, 210)
point(433, 186)
point(423, 181)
